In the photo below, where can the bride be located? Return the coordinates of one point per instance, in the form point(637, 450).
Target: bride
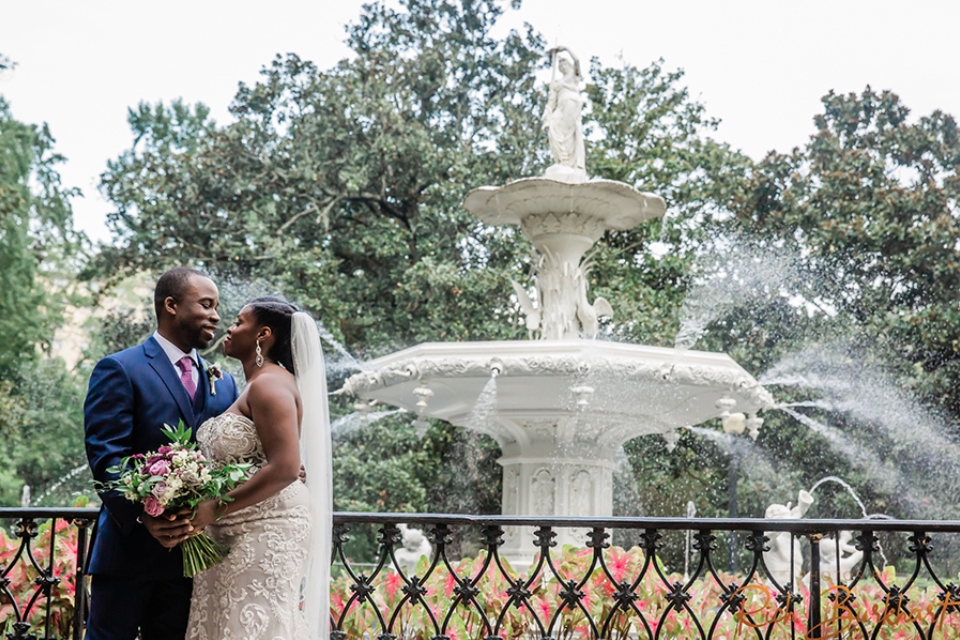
point(278, 529)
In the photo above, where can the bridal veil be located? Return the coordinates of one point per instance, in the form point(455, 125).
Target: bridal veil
point(316, 455)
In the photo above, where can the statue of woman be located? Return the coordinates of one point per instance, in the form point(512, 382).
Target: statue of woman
point(561, 119)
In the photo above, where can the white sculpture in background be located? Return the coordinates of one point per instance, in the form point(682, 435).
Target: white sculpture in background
point(590, 314)
point(782, 543)
point(571, 314)
point(850, 556)
point(562, 119)
point(415, 546)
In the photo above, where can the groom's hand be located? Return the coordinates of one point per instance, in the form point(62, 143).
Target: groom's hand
point(170, 529)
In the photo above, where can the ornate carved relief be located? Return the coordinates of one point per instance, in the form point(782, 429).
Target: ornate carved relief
point(581, 493)
point(543, 493)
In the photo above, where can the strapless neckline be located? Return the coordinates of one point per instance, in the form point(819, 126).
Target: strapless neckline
point(233, 416)
point(231, 438)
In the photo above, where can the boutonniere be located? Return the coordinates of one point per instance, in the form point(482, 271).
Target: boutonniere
point(214, 373)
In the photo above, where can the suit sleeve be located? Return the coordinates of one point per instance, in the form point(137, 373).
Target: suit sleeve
point(108, 427)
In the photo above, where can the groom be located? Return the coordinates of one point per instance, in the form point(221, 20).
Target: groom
point(138, 584)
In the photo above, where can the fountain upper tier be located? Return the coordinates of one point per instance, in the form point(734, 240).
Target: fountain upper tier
point(607, 203)
point(563, 221)
point(596, 394)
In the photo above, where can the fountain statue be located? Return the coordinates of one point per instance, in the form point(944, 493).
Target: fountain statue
point(561, 405)
point(562, 121)
point(414, 546)
point(784, 560)
point(838, 558)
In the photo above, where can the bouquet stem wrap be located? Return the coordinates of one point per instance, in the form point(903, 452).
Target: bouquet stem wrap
point(201, 552)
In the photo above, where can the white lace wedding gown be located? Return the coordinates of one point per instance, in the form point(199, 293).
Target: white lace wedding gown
point(255, 593)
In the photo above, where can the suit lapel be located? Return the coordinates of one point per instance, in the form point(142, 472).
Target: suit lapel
point(162, 365)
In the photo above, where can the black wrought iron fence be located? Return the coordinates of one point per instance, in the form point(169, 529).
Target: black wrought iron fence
point(42, 592)
point(825, 579)
point(631, 578)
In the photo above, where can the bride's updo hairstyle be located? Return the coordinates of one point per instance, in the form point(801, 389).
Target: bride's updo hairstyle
point(276, 313)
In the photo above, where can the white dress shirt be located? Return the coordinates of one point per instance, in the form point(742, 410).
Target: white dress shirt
point(175, 354)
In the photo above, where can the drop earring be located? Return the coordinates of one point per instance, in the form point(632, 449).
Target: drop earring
point(259, 354)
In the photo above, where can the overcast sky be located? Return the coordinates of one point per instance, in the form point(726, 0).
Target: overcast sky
point(759, 66)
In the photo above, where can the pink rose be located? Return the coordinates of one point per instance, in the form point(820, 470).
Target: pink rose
point(159, 468)
point(165, 449)
point(152, 507)
point(159, 489)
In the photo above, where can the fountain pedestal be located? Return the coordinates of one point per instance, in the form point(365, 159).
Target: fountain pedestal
point(553, 485)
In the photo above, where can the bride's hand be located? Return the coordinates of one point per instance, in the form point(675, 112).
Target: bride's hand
point(206, 514)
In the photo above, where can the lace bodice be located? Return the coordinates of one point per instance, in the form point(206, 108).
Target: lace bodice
point(231, 438)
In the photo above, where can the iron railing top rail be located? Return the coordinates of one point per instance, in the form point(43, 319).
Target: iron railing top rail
point(43, 513)
point(801, 526)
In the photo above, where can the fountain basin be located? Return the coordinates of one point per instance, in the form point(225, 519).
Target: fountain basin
point(559, 409)
point(596, 205)
point(614, 391)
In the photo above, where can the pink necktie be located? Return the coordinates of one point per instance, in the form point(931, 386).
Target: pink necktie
point(186, 367)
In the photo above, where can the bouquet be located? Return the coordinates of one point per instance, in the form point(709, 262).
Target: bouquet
point(174, 477)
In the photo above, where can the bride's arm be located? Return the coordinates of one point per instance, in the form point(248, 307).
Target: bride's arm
point(273, 407)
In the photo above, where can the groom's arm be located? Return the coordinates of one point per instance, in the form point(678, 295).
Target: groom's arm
point(108, 428)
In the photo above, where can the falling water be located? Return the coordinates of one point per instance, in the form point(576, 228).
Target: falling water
point(815, 404)
point(235, 293)
point(732, 278)
point(904, 445)
point(485, 405)
point(761, 465)
point(348, 424)
point(835, 437)
point(347, 361)
point(627, 498)
point(863, 508)
point(59, 483)
point(856, 498)
point(691, 512)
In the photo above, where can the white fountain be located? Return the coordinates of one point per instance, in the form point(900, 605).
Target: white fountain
point(560, 406)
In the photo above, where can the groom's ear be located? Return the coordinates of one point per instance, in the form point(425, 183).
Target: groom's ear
point(170, 305)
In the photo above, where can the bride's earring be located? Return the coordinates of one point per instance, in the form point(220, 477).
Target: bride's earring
point(259, 354)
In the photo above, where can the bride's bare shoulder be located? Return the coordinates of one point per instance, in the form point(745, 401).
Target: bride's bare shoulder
point(272, 386)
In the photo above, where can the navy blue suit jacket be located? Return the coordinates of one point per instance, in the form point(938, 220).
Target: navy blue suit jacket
point(132, 394)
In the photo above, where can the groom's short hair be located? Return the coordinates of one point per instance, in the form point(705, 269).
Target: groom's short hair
point(172, 285)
